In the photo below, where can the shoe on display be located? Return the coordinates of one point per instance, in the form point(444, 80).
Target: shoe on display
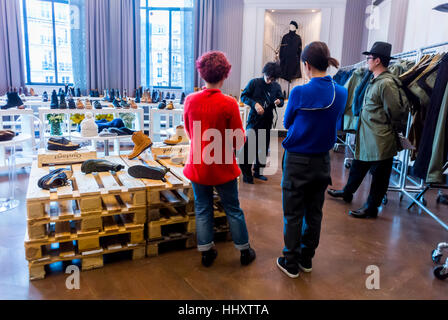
point(55, 179)
point(7, 135)
point(107, 133)
point(290, 272)
point(32, 93)
point(124, 104)
point(45, 96)
point(62, 103)
point(61, 144)
point(182, 98)
point(111, 95)
point(147, 172)
point(208, 257)
point(54, 104)
point(141, 143)
point(97, 105)
point(364, 213)
point(60, 92)
point(106, 95)
point(88, 104)
point(12, 101)
point(162, 105)
point(305, 264)
point(72, 91)
point(79, 104)
point(137, 97)
point(247, 256)
point(100, 165)
point(180, 137)
point(78, 92)
point(122, 131)
point(116, 104)
point(134, 104)
point(71, 103)
point(170, 106)
point(340, 194)
point(66, 89)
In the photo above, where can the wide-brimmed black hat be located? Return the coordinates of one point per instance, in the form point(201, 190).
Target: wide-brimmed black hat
point(382, 49)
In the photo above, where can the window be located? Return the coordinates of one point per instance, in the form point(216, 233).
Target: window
point(47, 41)
point(166, 29)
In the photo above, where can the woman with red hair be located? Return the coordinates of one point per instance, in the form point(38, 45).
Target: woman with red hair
point(212, 164)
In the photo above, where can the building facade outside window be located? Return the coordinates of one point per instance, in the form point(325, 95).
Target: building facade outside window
point(47, 41)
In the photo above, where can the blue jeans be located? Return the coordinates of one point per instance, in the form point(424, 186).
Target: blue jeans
point(203, 201)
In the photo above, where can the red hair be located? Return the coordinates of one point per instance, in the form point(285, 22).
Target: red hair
point(213, 66)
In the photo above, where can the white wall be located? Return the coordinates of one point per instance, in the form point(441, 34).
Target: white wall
point(332, 29)
point(425, 26)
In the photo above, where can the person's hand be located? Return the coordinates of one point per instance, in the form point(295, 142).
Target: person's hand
point(259, 109)
point(277, 102)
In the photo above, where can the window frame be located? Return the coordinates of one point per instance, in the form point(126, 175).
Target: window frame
point(170, 10)
point(27, 47)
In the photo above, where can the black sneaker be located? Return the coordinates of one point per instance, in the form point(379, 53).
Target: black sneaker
point(122, 131)
point(95, 165)
point(147, 172)
point(260, 177)
point(305, 264)
point(61, 144)
point(248, 179)
point(290, 272)
point(208, 257)
point(97, 105)
point(247, 256)
point(55, 179)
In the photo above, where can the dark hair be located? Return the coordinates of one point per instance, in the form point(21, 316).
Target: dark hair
point(272, 70)
point(384, 60)
point(317, 54)
point(213, 66)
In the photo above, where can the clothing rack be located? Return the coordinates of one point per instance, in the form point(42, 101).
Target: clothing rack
point(420, 188)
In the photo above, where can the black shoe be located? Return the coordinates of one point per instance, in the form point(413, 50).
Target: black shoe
point(116, 104)
point(12, 100)
point(97, 105)
point(45, 96)
point(247, 256)
point(147, 172)
point(364, 212)
point(61, 144)
point(247, 179)
point(55, 179)
point(162, 105)
point(305, 264)
point(260, 177)
point(290, 272)
point(122, 131)
point(78, 92)
point(340, 194)
point(90, 166)
point(71, 103)
point(62, 103)
point(54, 100)
point(112, 95)
point(182, 98)
point(208, 257)
point(137, 97)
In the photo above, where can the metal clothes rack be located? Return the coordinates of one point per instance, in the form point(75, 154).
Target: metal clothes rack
point(419, 187)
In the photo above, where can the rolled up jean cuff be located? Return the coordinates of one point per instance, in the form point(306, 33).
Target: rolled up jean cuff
point(242, 246)
point(206, 247)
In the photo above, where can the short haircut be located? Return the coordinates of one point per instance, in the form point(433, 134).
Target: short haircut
point(272, 70)
point(213, 66)
point(384, 60)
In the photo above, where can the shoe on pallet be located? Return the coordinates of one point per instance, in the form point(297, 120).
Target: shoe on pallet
point(55, 179)
point(12, 101)
point(61, 144)
point(100, 165)
point(180, 137)
point(7, 135)
point(141, 143)
point(148, 172)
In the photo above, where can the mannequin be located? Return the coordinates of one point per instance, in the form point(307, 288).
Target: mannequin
point(290, 52)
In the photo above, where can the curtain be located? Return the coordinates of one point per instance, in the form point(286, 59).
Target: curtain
point(78, 43)
point(12, 73)
point(187, 17)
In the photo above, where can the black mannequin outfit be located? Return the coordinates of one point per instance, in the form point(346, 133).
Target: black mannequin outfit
point(290, 53)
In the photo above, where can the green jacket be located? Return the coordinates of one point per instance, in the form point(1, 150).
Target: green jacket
point(375, 138)
point(350, 120)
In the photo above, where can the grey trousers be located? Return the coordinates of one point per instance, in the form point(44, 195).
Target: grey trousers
point(305, 179)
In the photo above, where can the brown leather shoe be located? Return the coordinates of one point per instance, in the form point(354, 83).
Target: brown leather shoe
point(141, 143)
point(6, 135)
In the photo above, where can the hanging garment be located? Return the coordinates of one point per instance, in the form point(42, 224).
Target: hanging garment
point(290, 52)
point(439, 147)
point(375, 137)
point(360, 93)
point(350, 121)
point(430, 122)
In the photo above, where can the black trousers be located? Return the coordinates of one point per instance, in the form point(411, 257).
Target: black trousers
point(380, 171)
point(305, 179)
point(261, 150)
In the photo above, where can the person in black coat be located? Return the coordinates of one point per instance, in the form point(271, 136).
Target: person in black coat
point(290, 52)
point(263, 95)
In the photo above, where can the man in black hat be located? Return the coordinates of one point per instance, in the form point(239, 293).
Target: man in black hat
point(376, 140)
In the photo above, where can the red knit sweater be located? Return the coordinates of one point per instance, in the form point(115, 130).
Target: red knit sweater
point(207, 163)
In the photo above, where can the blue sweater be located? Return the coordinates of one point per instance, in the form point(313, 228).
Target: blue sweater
point(311, 124)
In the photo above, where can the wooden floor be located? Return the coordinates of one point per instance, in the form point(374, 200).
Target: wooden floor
point(398, 242)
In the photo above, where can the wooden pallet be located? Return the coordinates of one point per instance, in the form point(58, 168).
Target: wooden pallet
point(65, 232)
point(46, 157)
point(89, 260)
point(160, 149)
point(176, 242)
